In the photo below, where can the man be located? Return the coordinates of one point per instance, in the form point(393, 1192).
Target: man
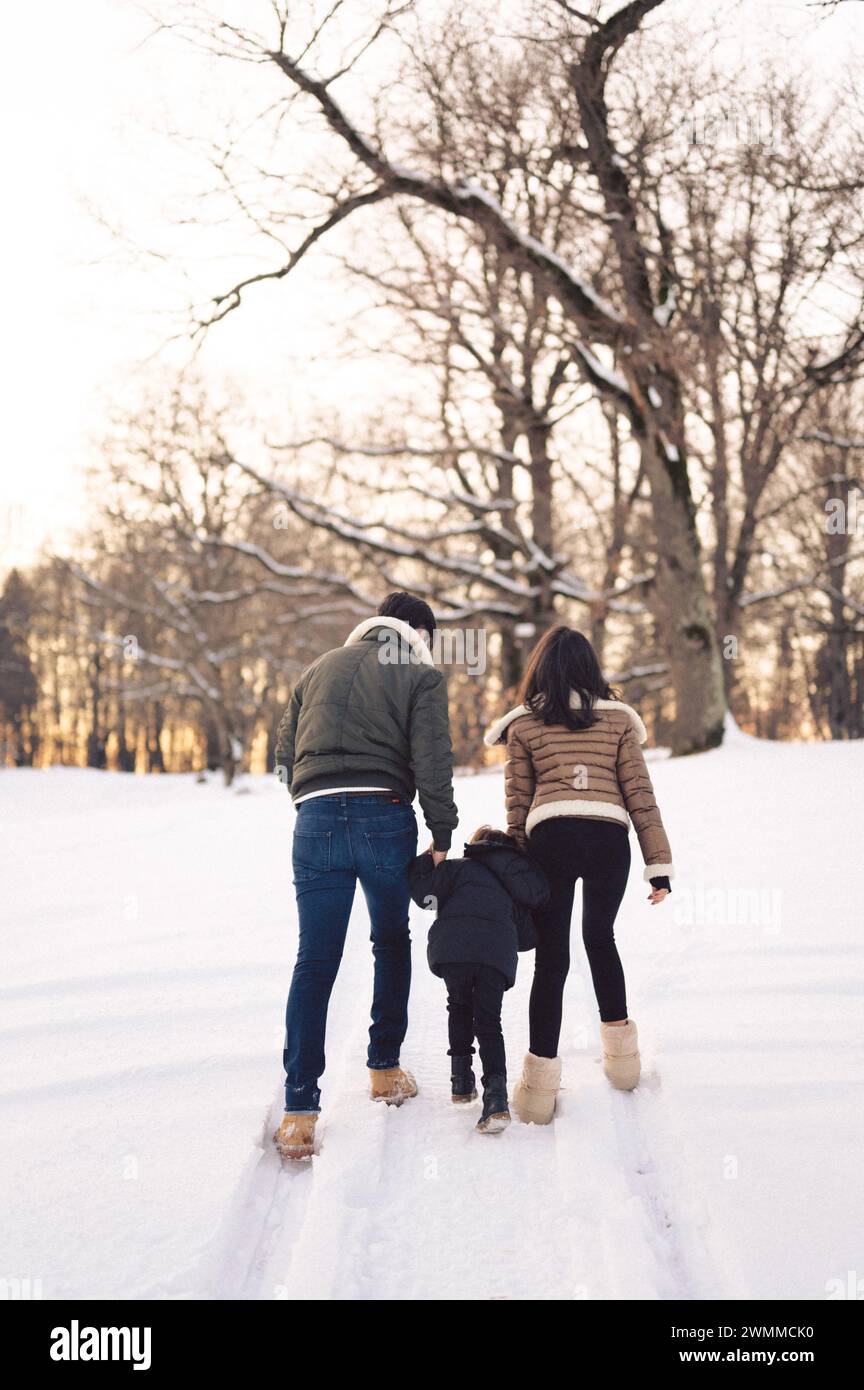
point(366, 728)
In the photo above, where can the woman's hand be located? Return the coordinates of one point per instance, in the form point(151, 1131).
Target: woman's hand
point(657, 895)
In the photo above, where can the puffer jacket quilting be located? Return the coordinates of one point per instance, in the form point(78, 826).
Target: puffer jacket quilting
point(483, 905)
point(599, 773)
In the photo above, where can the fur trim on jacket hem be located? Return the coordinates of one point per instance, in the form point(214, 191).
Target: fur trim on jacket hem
point(405, 631)
point(496, 731)
point(591, 810)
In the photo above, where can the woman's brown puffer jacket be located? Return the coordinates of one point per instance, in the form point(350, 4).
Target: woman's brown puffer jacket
point(599, 773)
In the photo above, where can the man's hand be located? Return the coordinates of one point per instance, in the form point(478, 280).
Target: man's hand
point(657, 895)
point(438, 855)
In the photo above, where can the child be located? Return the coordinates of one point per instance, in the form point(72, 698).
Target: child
point(483, 917)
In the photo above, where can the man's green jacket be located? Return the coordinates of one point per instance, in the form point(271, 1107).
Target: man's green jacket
point(373, 713)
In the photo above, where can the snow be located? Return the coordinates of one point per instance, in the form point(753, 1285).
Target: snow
point(351, 530)
point(538, 249)
point(613, 379)
point(654, 397)
point(148, 941)
point(663, 312)
point(670, 450)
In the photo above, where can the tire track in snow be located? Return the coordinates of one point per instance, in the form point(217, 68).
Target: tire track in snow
point(611, 1139)
point(410, 1203)
point(688, 1247)
point(251, 1254)
point(611, 1258)
point(309, 1260)
point(448, 1212)
point(646, 1182)
point(268, 1197)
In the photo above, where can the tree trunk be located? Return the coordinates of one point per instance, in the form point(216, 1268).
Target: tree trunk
point(620, 511)
point(125, 751)
point(512, 657)
point(228, 761)
point(836, 660)
point(679, 602)
point(95, 739)
point(155, 760)
point(543, 613)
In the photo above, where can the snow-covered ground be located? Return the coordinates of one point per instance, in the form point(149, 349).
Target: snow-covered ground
point(148, 933)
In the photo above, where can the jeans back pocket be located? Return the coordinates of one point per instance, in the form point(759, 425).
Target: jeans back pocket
point(310, 854)
point(392, 850)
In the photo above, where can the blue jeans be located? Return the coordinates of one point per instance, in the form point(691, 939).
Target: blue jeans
point(338, 840)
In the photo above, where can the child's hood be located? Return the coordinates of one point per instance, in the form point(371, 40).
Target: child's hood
point(516, 872)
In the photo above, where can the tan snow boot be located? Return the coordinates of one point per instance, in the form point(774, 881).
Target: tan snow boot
point(392, 1085)
point(621, 1055)
point(295, 1137)
point(536, 1092)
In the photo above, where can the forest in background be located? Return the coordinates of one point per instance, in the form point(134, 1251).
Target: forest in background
point(621, 308)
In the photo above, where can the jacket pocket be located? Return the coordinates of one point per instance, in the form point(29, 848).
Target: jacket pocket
point(310, 854)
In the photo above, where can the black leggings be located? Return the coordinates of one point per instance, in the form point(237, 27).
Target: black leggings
point(598, 852)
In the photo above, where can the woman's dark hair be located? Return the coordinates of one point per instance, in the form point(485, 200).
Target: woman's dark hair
point(564, 663)
point(410, 609)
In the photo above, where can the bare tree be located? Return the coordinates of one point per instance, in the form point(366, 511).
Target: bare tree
point(628, 323)
point(769, 275)
point(560, 238)
point(172, 613)
point(18, 690)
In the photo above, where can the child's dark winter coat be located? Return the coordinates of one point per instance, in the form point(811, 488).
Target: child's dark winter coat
point(483, 904)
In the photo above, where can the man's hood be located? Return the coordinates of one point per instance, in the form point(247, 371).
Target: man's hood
point(408, 634)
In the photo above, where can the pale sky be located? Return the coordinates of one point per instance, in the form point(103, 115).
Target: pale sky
point(86, 110)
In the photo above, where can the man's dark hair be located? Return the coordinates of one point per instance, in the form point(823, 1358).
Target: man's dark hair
point(410, 609)
point(490, 836)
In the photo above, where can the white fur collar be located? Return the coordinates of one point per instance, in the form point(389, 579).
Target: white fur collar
point(495, 731)
point(408, 633)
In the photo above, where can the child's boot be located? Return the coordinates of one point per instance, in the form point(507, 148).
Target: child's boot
point(621, 1054)
point(463, 1083)
point(295, 1137)
point(392, 1085)
point(536, 1092)
point(496, 1115)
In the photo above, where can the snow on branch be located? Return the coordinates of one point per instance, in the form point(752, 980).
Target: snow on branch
point(465, 200)
point(404, 450)
point(361, 534)
point(638, 673)
point(604, 378)
point(808, 581)
point(285, 571)
point(836, 441)
point(183, 666)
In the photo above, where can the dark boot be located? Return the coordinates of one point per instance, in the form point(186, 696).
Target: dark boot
point(463, 1083)
point(496, 1115)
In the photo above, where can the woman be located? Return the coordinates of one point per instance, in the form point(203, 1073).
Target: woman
point(574, 774)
